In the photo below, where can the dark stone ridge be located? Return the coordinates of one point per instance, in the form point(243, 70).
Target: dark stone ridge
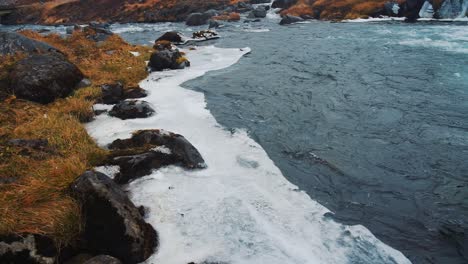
point(103, 259)
point(27, 248)
point(113, 224)
point(167, 59)
point(154, 149)
point(132, 109)
point(43, 78)
point(171, 36)
point(288, 19)
point(284, 4)
point(11, 43)
point(114, 93)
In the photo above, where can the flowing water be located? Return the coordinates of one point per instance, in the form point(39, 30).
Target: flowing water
point(368, 119)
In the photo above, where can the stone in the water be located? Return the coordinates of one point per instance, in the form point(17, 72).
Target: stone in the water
point(213, 24)
point(11, 43)
point(167, 59)
point(197, 19)
point(258, 12)
point(103, 259)
point(113, 224)
point(132, 109)
point(44, 78)
point(288, 19)
point(172, 36)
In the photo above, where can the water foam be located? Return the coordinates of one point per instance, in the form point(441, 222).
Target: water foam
point(240, 209)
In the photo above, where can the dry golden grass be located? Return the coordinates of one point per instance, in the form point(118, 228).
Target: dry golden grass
point(38, 202)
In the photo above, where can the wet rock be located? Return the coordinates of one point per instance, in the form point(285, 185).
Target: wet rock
point(288, 19)
point(43, 78)
point(205, 35)
point(134, 92)
point(158, 148)
point(243, 7)
point(258, 12)
point(11, 43)
point(167, 59)
point(172, 36)
point(103, 259)
point(284, 4)
point(410, 9)
point(112, 93)
point(213, 24)
point(113, 224)
point(131, 109)
point(197, 19)
point(27, 248)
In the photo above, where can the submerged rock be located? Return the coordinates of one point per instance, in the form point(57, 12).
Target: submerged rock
point(27, 248)
point(131, 109)
point(43, 78)
point(167, 59)
point(288, 19)
point(155, 149)
point(11, 43)
point(103, 259)
point(113, 224)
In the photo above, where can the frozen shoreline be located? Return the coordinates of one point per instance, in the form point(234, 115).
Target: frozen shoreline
point(240, 209)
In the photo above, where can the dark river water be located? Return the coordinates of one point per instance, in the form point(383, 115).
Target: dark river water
point(370, 119)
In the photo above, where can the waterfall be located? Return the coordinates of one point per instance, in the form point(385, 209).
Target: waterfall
point(464, 9)
point(427, 11)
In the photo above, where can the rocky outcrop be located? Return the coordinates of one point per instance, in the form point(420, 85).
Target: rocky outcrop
point(113, 225)
point(115, 92)
point(27, 248)
point(171, 36)
point(103, 259)
point(132, 109)
point(154, 149)
point(167, 59)
point(288, 19)
point(11, 43)
point(43, 78)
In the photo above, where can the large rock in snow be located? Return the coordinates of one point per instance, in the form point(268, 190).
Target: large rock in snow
point(11, 43)
point(172, 36)
point(153, 149)
point(132, 109)
point(167, 59)
point(113, 224)
point(43, 78)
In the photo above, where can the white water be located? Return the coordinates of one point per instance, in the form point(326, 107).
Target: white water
point(240, 209)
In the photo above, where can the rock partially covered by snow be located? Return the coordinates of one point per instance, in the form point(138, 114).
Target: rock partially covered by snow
point(205, 35)
point(113, 224)
point(132, 109)
point(153, 149)
point(167, 59)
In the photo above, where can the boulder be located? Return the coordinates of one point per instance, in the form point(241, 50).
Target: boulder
point(258, 12)
point(113, 225)
point(288, 19)
point(197, 19)
point(27, 248)
point(131, 109)
point(134, 92)
point(172, 36)
point(167, 59)
point(103, 259)
point(111, 93)
point(410, 9)
point(243, 7)
point(283, 4)
point(43, 78)
point(11, 43)
point(158, 148)
point(205, 35)
point(97, 31)
point(213, 24)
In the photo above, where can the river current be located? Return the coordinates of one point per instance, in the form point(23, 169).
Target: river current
point(370, 119)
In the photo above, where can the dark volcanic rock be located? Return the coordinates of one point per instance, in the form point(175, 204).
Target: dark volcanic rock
point(283, 3)
point(167, 59)
point(171, 36)
point(288, 19)
point(11, 43)
point(131, 109)
point(410, 9)
point(43, 78)
point(113, 224)
point(197, 19)
point(28, 249)
point(103, 259)
point(112, 93)
point(160, 148)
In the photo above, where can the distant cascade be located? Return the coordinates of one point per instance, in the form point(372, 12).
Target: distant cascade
point(427, 11)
